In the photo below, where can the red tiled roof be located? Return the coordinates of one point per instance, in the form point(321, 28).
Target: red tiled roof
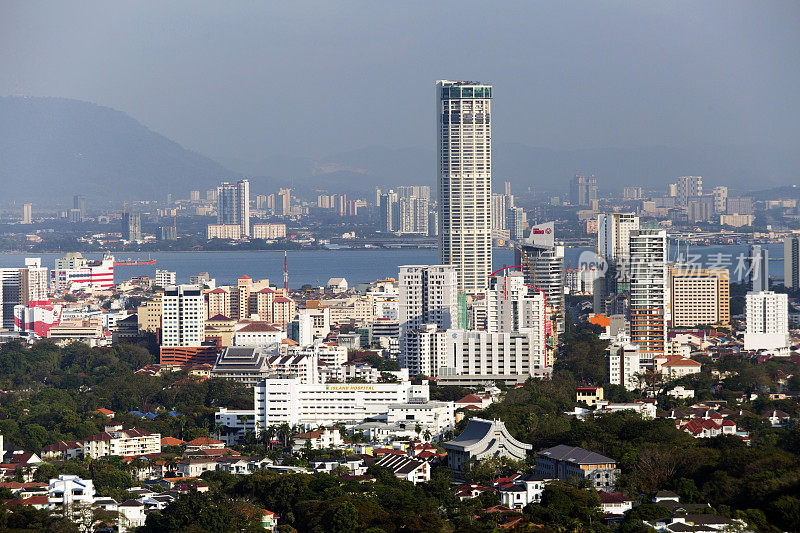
point(171, 441)
point(612, 497)
point(104, 411)
point(471, 399)
point(258, 327)
point(203, 441)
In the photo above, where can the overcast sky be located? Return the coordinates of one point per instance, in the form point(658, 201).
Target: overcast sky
point(252, 79)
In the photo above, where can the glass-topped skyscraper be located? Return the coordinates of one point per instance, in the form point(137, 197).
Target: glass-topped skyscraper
point(465, 180)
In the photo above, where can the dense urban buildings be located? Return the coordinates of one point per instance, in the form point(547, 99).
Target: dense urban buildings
point(465, 180)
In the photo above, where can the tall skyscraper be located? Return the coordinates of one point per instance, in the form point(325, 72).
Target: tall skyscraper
point(465, 180)
point(390, 213)
point(791, 262)
point(132, 227)
point(758, 268)
point(27, 213)
point(720, 199)
point(648, 292)
point(79, 203)
point(233, 205)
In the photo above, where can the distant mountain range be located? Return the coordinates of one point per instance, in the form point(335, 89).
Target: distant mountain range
point(52, 148)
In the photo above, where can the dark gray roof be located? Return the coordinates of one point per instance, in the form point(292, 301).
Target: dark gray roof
point(576, 455)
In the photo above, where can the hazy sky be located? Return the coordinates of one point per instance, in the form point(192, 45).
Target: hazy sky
point(252, 79)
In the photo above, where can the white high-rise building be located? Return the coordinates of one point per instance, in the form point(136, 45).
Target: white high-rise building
point(613, 231)
point(427, 295)
point(165, 278)
point(513, 306)
point(33, 281)
point(720, 199)
point(465, 180)
point(623, 364)
point(233, 205)
point(767, 316)
point(648, 292)
point(183, 316)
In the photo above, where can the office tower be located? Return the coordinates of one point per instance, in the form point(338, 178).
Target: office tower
point(427, 295)
point(689, 187)
point(767, 317)
point(79, 203)
point(515, 222)
point(499, 219)
point(513, 306)
point(283, 205)
point(27, 213)
point(9, 295)
point(233, 205)
point(613, 231)
point(758, 268)
point(720, 199)
point(648, 288)
point(390, 215)
point(465, 180)
point(164, 278)
point(542, 259)
point(194, 196)
point(699, 297)
point(261, 202)
point(132, 227)
point(183, 316)
point(791, 262)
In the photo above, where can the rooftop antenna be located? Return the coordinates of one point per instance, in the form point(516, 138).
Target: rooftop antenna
point(285, 275)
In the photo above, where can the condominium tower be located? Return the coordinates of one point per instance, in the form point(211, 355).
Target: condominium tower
point(233, 205)
point(791, 262)
point(648, 288)
point(465, 180)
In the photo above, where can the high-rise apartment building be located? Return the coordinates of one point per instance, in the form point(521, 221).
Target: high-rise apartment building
point(27, 213)
point(791, 262)
point(632, 193)
point(513, 306)
point(427, 295)
point(284, 202)
point(390, 211)
point(648, 292)
point(165, 278)
point(758, 268)
point(613, 231)
point(79, 203)
point(261, 202)
point(233, 205)
point(515, 223)
point(499, 219)
point(699, 296)
point(33, 281)
point(413, 215)
point(420, 191)
point(465, 180)
point(689, 187)
point(183, 316)
point(543, 264)
point(132, 227)
point(582, 190)
point(720, 199)
point(767, 317)
point(194, 196)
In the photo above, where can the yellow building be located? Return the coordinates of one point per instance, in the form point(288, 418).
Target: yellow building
point(149, 315)
point(699, 296)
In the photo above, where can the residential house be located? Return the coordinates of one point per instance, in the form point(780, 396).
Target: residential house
point(407, 468)
point(567, 462)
